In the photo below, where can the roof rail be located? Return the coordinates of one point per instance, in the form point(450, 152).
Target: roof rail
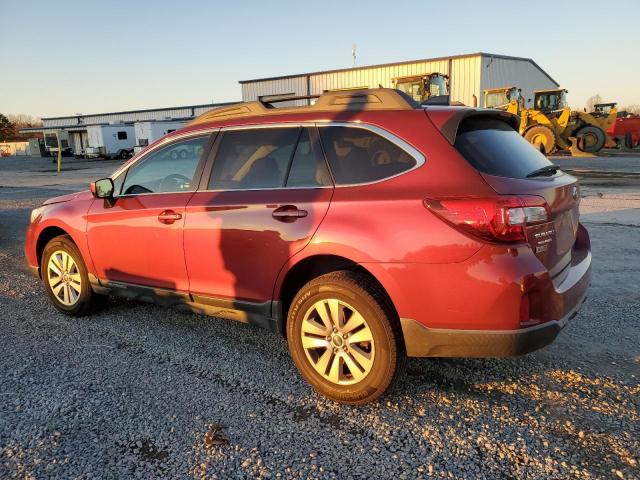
point(332, 101)
point(289, 99)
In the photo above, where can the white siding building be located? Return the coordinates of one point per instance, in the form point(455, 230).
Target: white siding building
point(72, 130)
point(469, 76)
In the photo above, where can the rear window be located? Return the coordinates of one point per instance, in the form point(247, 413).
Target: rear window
point(493, 147)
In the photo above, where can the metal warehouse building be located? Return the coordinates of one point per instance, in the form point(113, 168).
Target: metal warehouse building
point(469, 75)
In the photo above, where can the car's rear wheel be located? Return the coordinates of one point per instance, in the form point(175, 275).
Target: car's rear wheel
point(65, 278)
point(344, 337)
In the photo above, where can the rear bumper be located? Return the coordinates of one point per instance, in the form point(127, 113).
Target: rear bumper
point(554, 301)
point(421, 341)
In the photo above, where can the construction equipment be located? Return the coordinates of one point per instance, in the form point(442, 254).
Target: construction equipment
point(551, 125)
point(504, 98)
point(625, 128)
point(589, 129)
point(425, 87)
point(541, 126)
point(606, 115)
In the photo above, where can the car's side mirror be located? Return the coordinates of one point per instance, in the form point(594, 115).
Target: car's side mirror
point(102, 188)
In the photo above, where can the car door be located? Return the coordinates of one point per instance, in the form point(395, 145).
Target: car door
point(268, 191)
point(137, 237)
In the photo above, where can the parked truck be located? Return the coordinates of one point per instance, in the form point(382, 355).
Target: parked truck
point(149, 132)
point(110, 141)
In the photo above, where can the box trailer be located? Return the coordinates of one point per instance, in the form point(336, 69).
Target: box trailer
point(149, 132)
point(110, 141)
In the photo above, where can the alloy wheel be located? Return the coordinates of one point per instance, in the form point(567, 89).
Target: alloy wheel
point(337, 341)
point(64, 278)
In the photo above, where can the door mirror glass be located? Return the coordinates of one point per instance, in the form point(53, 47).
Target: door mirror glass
point(102, 188)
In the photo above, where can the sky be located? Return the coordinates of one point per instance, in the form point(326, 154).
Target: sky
point(67, 57)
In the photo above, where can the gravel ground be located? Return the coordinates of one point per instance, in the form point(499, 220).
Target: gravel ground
point(138, 391)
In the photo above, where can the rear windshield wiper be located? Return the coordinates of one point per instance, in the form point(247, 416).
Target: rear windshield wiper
point(546, 170)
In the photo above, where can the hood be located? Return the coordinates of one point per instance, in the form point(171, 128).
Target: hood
point(68, 197)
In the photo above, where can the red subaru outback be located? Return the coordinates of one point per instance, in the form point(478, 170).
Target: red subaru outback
point(364, 228)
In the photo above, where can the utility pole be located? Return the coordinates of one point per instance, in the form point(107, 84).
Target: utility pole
point(59, 152)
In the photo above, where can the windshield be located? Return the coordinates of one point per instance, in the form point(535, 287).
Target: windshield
point(411, 88)
point(500, 98)
point(604, 109)
point(491, 146)
point(551, 100)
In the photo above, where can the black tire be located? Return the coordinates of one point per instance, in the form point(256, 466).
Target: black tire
point(87, 300)
point(366, 297)
point(543, 138)
point(591, 139)
point(628, 141)
point(124, 154)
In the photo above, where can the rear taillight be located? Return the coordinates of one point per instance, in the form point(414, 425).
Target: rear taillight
point(496, 219)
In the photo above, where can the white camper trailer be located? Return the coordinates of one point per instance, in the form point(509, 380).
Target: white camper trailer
point(149, 132)
point(110, 141)
point(51, 142)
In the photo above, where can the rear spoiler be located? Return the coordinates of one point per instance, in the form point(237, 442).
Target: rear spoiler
point(448, 120)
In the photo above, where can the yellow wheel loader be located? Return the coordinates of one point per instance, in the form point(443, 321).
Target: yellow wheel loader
point(542, 129)
point(424, 87)
point(589, 129)
point(504, 98)
point(605, 114)
point(550, 124)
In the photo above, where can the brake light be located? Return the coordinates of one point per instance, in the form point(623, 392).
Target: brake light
point(496, 219)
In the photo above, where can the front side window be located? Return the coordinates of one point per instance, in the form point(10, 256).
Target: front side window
point(253, 159)
point(122, 135)
point(170, 169)
point(358, 155)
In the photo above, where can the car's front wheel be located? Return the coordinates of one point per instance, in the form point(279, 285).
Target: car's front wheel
point(343, 337)
point(65, 278)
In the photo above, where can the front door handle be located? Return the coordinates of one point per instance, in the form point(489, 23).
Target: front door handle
point(288, 213)
point(169, 216)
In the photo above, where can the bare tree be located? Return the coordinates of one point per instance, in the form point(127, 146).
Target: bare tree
point(592, 101)
point(22, 120)
point(19, 122)
point(632, 109)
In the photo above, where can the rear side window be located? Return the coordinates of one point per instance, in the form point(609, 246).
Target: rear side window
point(309, 168)
point(252, 159)
point(357, 155)
point(492, 146)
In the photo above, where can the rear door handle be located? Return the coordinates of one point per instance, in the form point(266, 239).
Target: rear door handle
point(169, 216)
point(288, 213)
